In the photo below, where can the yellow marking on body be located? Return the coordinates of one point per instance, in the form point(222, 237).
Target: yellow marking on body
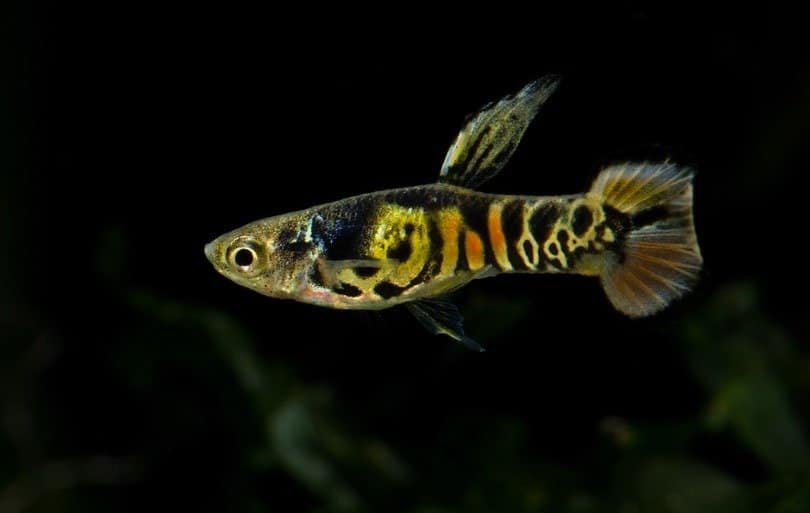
point(560, 224)
point(597, 210)
point(590, 264)
point(449, 224)
point(597, 216)
point(474, 248)
point(532, 260)
point(596, 203)
point(529, 260)
point(560, 256)
point(496, 236)
point(393, 226)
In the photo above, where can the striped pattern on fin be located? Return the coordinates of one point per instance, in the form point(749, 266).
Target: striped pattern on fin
point(442, 317)
point(633, 187)
point(659, 258)
point(488, 140)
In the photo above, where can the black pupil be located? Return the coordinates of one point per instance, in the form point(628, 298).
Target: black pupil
point(243, 257)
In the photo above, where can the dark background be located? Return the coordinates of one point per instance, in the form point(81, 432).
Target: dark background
point(135, 378)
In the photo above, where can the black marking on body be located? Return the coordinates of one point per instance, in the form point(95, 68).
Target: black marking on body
point(541, 224)
point(286, 235)
point(617, 221)
point(650, 216)
point(345, 245)
point(297, 246)
point(366, 272)
point(436, 242)
point(581, 220)
point(461, 263)
point(316, 277)
point(342, 228)
point(577, 253)
point(427, 273)
point(601, 231)
point(615, 245)
point(401, 252)
point(512, 224)
point(344, 289)
point(289, 239)
point(527, 248)
point(387, 290)
point(562, 238)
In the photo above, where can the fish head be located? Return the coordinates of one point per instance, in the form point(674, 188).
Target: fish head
point(273, 256)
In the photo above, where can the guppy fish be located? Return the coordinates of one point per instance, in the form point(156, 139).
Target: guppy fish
point(633, 229)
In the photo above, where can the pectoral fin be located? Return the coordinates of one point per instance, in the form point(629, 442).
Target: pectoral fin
point(442, 317)
point(488, 140)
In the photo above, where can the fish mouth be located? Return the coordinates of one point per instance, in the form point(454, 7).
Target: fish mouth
point(209, 251)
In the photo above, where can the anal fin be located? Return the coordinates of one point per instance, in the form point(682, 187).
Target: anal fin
point(442, 317)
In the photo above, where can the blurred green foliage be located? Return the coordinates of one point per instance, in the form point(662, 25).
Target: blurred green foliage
point(289, 431)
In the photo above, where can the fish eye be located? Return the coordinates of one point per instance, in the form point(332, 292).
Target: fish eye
point(244, 255)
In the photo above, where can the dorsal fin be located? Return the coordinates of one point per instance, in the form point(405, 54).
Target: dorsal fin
point(490, 137)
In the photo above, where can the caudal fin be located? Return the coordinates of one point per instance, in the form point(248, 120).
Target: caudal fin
point(659, 259)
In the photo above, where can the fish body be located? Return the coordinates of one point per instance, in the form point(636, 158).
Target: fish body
point(384, 248)
point(413, 245)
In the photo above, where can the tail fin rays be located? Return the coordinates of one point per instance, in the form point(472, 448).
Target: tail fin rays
point(660, 258)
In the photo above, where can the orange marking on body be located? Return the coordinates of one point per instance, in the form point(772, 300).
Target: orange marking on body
point(449, 226)
point(474, 248)
point(496, 236)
